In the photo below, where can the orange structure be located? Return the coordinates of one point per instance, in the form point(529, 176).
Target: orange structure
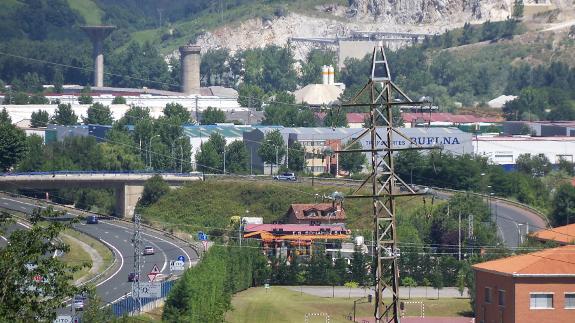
point(285, 239)
point(535, 287)
point(563, 235)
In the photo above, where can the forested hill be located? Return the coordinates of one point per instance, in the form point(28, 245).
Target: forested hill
point(53, 19)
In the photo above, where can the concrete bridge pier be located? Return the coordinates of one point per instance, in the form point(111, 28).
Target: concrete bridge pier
point(127, 197)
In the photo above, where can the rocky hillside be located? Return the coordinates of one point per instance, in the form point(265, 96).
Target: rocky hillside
point(431, 11)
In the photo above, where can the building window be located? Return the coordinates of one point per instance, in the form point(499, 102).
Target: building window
point(570, 301)
point(487, 296)
point(501, 297)
point(541, 301)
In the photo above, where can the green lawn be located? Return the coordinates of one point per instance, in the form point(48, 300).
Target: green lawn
point(77, 255)
point(282, 305)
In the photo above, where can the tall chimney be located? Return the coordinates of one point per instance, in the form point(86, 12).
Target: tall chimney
point(190, 61)
point(97, 35)
point(331, 75)
point(324, 75)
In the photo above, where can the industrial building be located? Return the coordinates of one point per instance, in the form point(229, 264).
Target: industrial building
point(540, 128)
point(534, 287)
point(324, 94)
point(504, 150)
point(316, 140)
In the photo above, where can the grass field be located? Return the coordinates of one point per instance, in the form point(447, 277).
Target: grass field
point(77, 255)
point(278, 304)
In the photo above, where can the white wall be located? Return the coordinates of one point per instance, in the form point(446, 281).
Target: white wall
point(507, 150)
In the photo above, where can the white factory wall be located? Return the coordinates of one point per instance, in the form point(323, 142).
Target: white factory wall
point(156, 105)
point(501, 150)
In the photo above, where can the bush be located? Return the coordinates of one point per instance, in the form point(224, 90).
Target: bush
point(154, 189)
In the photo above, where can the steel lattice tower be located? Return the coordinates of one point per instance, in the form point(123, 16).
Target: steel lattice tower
point(137, 241)
point(382, 183)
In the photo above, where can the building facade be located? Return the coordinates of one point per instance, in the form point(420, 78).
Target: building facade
point(316, 214)
point(535, 287)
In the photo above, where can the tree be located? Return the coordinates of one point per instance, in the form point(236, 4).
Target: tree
point(409, 282)
point(214, 67)
point(251, 96)
point(38, 99)
point(352, 162)
point(311, 69)
point(207, 159)
point(154, 189)
point(437, 280)
point(272, 149)
point(358, 267)
point(39, 118)
point(176, 111)
point(213, 116)
point(335, 119)
point(236, 158)
point(35, 155)
point(564, 206)
point(86, 96)
point(518, 9)
point(426, 282)
point(5, 117)
point(350, 285)
point(536, 166)
point(99, 114)
point(119, 100)
point(64, 115)
point(296, 154)
point(12, 145)
point(23, 258)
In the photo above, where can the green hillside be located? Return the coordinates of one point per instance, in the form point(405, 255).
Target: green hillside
point(88, 9)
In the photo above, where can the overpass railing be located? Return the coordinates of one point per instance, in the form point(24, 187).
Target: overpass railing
point(98, 172)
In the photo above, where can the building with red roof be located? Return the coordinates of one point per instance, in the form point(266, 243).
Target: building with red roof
point(316, 213)
point(534, 287)
point(563, 235)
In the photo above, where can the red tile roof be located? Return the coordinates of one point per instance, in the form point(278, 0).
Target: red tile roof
point(549, 262)
point(447, 117)
point(562, 235)
point(352, 117)
point(299, 211)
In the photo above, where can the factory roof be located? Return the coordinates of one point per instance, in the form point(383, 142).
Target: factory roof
point(352, 117)
point(447, 117)
point(500, 101)
point(293, 228)
point(226, 130)
point(525, 138)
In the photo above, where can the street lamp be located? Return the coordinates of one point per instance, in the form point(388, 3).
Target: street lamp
point(181, 153)
point(277, 154)
point(150, 149)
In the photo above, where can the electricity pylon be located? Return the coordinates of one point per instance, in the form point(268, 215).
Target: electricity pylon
point(382, 183)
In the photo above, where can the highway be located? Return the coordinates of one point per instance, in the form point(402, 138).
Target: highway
point(117, 235)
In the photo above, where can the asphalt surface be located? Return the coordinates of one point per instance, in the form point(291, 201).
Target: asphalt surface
point(118, 236)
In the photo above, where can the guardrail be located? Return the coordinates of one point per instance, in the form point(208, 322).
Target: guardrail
point(97, 172)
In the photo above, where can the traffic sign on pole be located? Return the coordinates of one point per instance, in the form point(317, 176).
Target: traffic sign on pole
point(176, 265)
point(150, 290)
point(182, 258)
point(63, 319)
point(155, 270)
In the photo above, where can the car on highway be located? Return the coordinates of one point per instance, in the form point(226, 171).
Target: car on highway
point(92, 219)
point(148, 250)
point(285, 177)
point(79, 303)
point(133, 277)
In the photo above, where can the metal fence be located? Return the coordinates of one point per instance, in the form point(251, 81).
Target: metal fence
point(127, 305)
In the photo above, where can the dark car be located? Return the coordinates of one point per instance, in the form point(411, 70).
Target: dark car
point(133, 277)
point(92, 219)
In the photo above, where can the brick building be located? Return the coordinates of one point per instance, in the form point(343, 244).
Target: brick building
point(535, 287)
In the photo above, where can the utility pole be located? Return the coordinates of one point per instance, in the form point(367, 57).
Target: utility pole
point(224, 160)
point(137, 241)
point(383, 95)
point(458, 236)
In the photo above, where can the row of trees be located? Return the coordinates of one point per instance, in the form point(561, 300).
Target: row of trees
point(203, 293)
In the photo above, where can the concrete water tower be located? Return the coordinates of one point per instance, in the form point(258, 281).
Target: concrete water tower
point(97, 35)
point(190, 61)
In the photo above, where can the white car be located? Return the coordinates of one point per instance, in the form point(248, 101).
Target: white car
point(148, 251)
point(285, 177)
point(78, 304)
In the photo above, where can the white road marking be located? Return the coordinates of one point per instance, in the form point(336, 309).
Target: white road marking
point(3, 238)
point(168, 242)
point(121, 262)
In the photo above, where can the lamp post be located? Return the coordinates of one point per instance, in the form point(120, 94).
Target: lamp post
point(224, 160)
point(150, 149)
point(181, 154)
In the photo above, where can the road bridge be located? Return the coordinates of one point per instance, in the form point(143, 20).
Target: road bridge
point(128, 186)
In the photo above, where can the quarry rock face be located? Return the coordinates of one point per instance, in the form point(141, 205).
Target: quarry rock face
point(430, 11)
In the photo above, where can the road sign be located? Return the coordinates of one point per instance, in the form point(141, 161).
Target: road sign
point(202, 236)
point(267, 286)
point(176, 265)
point(152, 277)
point(150, 290)
point(155, 270)
point(182, 258)
point(63, 319)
